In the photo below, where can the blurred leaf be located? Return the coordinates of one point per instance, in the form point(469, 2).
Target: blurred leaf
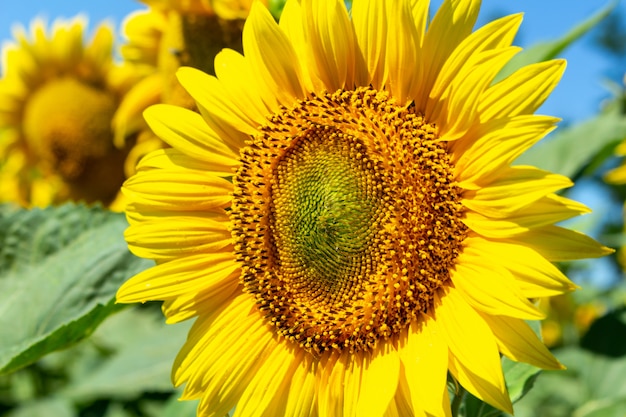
point(142, 363)
point(592, 384)
point(519, 377)
point(473, 407)
point(117, 410)
point(603, 376)
point(607, 335)
point(47, 407)
point(570, 150)
point(276, 7)
point(549, 50)
point(59, 271)
point(602, 408)
point(177, 408)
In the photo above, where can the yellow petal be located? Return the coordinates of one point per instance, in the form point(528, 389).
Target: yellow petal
point(292, 24)
point(535, 275)
point(518, 342)
point(272, 55)
point(302, 401)
point(233, 71)
point(453, 22)
point(495, 35)
point(331, 388)
point(403, 61)
point(190, 134)
point(177, 190)
point(173, 159)
point(426, 353)
point(213, 97)
point(205, 302)
point(329, 31)
point(496, 144)
point(184, 275)
point(558, 244)
point(458, 112)
point(370, 27)
point(128, 116)
point(193, 235)
point(272, 377)
point(547, 210)
point(474, 359)
point(219, 365)
point(401, 406)
point(100, 49)
point(522, 92)
point(516, 188)
point(371, 382)
point(420, 19)
point(616, 176)
point(490, 288)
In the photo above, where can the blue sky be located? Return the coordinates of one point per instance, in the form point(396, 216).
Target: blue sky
point(577, 97)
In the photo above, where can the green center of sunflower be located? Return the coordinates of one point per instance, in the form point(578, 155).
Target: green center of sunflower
point(67, 124)
point(347, 220)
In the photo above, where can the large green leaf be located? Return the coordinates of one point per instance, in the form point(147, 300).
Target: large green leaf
point(144, 350)
point(549, 50)
point(59, 271)
point(570, 150)
point(45, 407)
point(592, 385)
point(177, 408)
point(603, 408)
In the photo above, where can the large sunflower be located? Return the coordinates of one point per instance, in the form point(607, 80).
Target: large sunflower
point(57, 98)
point(342, 217)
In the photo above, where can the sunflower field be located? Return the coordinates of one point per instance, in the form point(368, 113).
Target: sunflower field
point(313, 208)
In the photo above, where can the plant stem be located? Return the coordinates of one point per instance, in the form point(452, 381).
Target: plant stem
point(456, 402)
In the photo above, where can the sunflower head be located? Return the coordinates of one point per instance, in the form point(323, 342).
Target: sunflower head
point(58, 97)
point(342, 216)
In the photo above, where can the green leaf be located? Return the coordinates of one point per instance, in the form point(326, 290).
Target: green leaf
point(473, 407)
point(520, 378)
point(590, 385)
point(141, 363)
point(550, 50)
point(276, 7)
point(47, 407)
point(59, 271)
point(570, 150)
point(603, 408)
point(177, 408)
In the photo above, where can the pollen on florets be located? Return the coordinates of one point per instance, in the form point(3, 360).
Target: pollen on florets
point(346, 218)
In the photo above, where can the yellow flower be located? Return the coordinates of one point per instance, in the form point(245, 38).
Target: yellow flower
point(57, 99)
point(342, 217)
point(168, 35)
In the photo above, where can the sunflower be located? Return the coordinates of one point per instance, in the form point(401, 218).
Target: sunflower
point(342, 217)
point(57, 99)
point(166, 36)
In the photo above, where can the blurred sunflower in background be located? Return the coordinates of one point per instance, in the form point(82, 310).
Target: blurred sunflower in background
point(58, 95)
point(342, 217)
point(568, 320)
point(161, 39)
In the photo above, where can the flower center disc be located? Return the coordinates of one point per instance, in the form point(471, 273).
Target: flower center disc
point(346, 219)
point(68, 124)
